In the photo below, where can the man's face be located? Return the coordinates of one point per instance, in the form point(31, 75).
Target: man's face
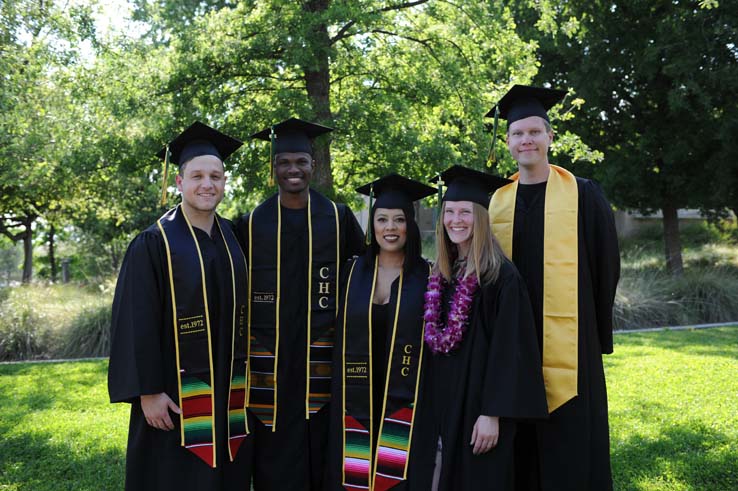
point(293, 170)
point(528, 141)
point(202, 183)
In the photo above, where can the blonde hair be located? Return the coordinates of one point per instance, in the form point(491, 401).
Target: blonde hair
point(485, 253)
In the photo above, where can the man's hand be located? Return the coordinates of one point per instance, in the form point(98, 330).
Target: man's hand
point(156, 408)
point(485, 434)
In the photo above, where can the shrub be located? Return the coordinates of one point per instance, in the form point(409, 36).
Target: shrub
point(88, 334)
point(23, 334)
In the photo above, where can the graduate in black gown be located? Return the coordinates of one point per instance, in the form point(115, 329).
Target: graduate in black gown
point(484, 373)
point(178, 351)
point(378, 360)
point(559, 230)
point(295, 243)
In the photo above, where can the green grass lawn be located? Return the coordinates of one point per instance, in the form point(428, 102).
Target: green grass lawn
point(673, 418)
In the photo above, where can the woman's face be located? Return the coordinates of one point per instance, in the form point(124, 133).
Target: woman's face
point(458, 219)
point(390, 229)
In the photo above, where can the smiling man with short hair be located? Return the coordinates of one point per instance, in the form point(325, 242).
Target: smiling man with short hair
point(178, 347)
point(295, 242)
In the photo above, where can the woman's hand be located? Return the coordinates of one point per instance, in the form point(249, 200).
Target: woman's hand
point(156, 410)
point(485, 434)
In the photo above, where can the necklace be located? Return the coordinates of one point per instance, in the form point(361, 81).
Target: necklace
point(444, 340)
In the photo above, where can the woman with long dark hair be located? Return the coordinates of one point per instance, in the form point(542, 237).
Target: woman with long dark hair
point(484, 368)
point(377, 369)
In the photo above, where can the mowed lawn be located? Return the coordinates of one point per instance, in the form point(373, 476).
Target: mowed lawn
point(673, 418)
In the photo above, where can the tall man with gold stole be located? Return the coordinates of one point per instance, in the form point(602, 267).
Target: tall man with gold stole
point(560, 232)
point(296, 242)
point(178, 352)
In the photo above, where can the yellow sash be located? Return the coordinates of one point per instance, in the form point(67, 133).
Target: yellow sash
point(560, 276)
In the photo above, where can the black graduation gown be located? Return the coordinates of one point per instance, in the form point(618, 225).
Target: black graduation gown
point(143, 361)
point(495, 371)
point(293, 457)
point(571, 450)
point(422, 447)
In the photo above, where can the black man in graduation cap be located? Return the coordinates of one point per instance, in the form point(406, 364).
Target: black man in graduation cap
point(295, 242)
point(560, 232)
point(178, 353)
point(484, 371)
point(374, 442)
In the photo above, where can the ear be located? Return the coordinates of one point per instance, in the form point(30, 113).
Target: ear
point(178, 179)
point(312, 164)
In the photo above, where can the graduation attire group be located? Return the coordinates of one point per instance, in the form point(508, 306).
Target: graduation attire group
point(289, 350)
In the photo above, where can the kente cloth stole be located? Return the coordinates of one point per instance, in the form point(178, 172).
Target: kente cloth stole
point(560, 276)
point(193, 340)
point(264, 295)
point(388, 466)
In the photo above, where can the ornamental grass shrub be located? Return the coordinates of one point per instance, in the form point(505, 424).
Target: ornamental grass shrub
point(88, 334)
point(24, 334)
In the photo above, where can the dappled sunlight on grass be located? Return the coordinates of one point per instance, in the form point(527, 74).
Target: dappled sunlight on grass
point(59, 430)
point(673, 410)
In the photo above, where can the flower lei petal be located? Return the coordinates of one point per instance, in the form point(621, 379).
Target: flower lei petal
point(438, 338)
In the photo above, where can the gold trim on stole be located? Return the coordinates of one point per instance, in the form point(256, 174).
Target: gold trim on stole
point(207, 325)
point(560, 276)
point(343, 376)
point(373, 476)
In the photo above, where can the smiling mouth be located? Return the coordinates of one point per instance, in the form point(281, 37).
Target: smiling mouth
point(391, 238)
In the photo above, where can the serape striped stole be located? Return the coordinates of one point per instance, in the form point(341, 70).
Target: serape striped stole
point(193, 336)
point(388, 466)
point(265, 297)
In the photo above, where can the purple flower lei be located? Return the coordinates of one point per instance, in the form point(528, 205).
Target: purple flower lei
point(439, 339)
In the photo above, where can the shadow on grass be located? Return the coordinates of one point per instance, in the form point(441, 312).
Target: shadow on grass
point(693, 457)
point(39, 462)
point(704, 342)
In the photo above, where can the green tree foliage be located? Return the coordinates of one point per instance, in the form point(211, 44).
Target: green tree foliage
point(406, 83)
point(659, 79)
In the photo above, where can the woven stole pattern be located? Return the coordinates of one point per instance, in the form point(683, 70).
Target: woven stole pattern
point(321, 358)
point(389, 466)
point(262, 393)
point(560, 276)
point(197, 418)
point(264, 294)
point(393, 449)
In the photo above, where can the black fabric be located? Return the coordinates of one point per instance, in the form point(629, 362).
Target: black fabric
point(495, 371)
point(199, 139)
point(292, 458)
point(571, 448)
point(422, 449)
point(143, 361)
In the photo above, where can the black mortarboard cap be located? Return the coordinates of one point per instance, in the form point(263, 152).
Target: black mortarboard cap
point(465, 184)
point(197, 140)
point(522, 101)
point(395, 191)
point(292, 135)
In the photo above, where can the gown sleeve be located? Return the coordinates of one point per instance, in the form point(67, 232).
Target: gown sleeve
point(353, 235)
point(241, 229)
point(604, 256)
point(136, 363)
point(513, 378)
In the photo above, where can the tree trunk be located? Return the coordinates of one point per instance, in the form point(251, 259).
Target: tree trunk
point(27, 249)
point(318, 85)
point(52, 257)
point(672, 242)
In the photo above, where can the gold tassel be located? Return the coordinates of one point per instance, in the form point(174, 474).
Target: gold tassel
point(492, 159)
point(165, 177)
point(439, 206)
point(370, 225)
point(272, 137)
